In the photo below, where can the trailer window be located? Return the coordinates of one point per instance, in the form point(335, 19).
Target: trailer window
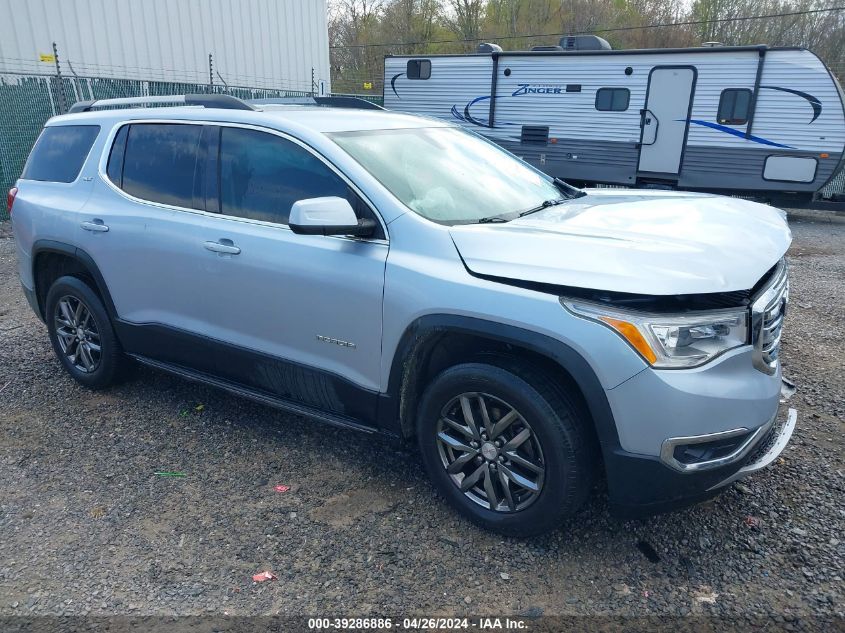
point(419, 68)
point(733, 106)
point(612, 99)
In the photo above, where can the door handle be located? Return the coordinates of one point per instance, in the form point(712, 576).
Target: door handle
point(223, 246)
point(648, 120)
point(96, 226)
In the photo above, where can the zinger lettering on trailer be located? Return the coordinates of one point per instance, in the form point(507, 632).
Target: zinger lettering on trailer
point(545, 89)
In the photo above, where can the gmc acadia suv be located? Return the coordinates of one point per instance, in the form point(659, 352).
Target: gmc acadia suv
point(398, 275)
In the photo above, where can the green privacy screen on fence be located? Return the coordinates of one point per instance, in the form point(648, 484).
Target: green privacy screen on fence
point(27, 101)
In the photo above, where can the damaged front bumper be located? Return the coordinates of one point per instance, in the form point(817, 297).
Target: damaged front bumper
point(766, 451)
point(642, 485)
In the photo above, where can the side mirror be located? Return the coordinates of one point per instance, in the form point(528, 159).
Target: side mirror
point(327, 216)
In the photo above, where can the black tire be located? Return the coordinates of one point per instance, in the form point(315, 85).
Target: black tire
point(111, 361)
point(556, 422)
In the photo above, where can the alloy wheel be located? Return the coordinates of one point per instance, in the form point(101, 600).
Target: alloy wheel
point(490, 452)
point(77, 334)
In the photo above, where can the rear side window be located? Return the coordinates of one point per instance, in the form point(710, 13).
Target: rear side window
point(733, 106)
point(262, 175)
point(419, 69)
point(612, 99)
point(59, 153)
point(114, 169)
point(161, 163)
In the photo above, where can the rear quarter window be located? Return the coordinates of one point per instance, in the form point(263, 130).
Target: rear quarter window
point(60, 152)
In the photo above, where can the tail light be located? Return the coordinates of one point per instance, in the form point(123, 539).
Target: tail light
point(10, 199)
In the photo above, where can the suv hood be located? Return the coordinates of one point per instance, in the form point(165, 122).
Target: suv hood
point(655, 243)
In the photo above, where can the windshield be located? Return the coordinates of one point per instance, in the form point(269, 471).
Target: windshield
point(447, 175)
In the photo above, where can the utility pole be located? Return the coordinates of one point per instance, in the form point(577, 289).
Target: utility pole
point(313, 92)
point(210, 71)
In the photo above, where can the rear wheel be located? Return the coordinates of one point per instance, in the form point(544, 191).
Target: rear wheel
point(81, 333)
point(506, 447)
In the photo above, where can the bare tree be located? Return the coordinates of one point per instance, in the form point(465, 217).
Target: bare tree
point(466, 19)
point(363, 31)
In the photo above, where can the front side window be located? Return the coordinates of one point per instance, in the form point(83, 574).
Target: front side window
point(161, 163)
point(419, 69)
point(734, 105)
point(262, 175)
point(612, 99)
point(59, 153)
point(448, 175)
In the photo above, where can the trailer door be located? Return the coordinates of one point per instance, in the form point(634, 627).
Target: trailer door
point(665, 119)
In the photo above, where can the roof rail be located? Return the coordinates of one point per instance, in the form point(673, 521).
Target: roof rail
point(331, 102)
point(225, 102)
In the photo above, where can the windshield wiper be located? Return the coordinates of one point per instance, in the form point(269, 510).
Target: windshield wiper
point(570, 191)
point(545, 205)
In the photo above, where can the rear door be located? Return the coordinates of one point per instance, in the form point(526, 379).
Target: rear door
point(665, 119)
point(142, 226)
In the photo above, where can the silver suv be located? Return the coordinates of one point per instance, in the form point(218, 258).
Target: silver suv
point(398, 275)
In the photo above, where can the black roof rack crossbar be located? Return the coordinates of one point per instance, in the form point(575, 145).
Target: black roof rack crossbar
point(344, 101)
point(347, 102)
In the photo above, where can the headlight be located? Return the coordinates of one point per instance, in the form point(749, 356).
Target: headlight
point(670, 340)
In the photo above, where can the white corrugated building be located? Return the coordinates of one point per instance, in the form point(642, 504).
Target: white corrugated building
point(253, 43)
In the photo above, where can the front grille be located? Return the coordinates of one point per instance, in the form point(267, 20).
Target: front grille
point(767, 314)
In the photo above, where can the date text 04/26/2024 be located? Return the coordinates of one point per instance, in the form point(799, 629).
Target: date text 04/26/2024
point(421, 623)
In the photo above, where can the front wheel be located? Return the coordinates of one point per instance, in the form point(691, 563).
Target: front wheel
point(506, 447)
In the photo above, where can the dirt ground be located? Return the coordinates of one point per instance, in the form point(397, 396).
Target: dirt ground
point(87, 527)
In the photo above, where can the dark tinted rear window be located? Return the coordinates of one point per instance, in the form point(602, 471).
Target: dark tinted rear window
point(160, 163)
point(59, 152)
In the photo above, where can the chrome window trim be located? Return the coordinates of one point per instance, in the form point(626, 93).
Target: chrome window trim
point(106, 152)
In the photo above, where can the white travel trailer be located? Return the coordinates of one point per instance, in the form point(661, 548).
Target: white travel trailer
point(750, 120)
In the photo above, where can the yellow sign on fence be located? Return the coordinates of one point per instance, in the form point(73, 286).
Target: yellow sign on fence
point(368, 85)
point(46, 58)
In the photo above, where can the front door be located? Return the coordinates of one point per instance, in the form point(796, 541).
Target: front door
point(665, 119)
point(300, 315)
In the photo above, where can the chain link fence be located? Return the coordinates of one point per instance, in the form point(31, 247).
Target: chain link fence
point(27, 101)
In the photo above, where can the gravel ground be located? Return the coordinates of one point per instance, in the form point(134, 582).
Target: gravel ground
point(88, 528)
